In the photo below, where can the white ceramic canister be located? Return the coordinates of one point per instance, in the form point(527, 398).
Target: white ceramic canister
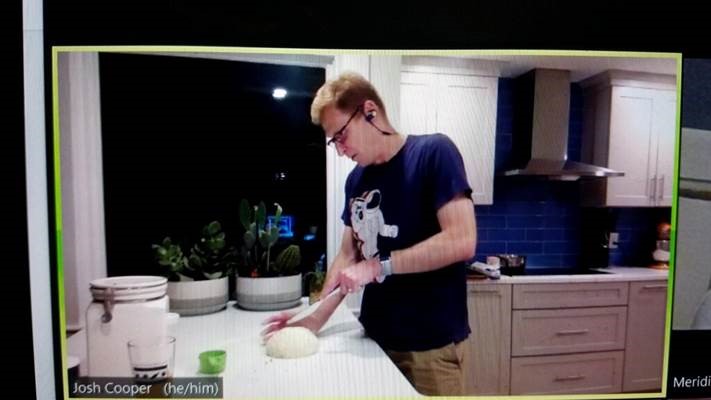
point(124, 308)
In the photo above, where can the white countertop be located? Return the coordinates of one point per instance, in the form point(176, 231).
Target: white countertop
point(613, 274)
point(347, 364)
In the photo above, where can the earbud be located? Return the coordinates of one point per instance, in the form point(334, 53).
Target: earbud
point(369, 116)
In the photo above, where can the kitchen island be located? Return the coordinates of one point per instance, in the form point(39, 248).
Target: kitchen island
point(347, 364)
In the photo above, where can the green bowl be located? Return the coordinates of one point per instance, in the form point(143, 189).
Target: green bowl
point(213, 361)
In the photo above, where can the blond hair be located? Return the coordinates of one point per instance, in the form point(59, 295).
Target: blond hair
point(347, 92)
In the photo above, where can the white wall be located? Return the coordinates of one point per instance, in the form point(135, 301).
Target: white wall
point(83, 233)
point(692, 267)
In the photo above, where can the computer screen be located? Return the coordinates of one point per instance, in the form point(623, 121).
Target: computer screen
point(476, 222)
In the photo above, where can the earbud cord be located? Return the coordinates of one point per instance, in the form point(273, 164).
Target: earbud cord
point(376, 127)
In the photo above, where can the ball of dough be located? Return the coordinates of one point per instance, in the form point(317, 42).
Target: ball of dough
point(292, 342)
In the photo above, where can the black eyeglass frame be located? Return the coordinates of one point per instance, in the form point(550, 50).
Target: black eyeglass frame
point(338, 136)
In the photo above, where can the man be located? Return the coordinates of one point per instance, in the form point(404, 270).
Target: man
point(409, 225)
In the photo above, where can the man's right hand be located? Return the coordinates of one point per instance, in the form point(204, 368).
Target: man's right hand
point(352, 278)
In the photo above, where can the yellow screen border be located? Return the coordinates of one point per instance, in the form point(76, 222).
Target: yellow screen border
point(303, 51)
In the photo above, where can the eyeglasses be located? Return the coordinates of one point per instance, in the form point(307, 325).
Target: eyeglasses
point(338, 137)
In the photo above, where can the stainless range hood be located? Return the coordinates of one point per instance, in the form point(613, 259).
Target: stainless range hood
point(540, 131)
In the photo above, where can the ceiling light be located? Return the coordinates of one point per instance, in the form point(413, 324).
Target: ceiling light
point(279, 93)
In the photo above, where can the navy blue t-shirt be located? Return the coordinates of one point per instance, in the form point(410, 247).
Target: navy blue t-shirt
point(393, 206)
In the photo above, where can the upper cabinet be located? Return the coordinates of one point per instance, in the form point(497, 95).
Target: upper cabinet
point(629, 125)
point(457, 98)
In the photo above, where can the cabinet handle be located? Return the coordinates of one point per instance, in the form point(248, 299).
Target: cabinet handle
point(569, 378)
point(652, 190)
point(661, 188)
point(654, 286)
point(573, 332)
point(472, 290)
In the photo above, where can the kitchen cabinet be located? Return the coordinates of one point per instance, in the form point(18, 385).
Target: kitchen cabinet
point(488, 358)
point(588, 323)
point(644, 348)
point(568, 330)
point(461, 105)
point(629, 125)
point(567, 334)
point(567, 374)
point(581, 294)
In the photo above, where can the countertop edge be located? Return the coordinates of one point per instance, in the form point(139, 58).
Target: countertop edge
point(614, 274)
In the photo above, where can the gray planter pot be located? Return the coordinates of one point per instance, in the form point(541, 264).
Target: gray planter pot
point(267, 294)
point(198, 297)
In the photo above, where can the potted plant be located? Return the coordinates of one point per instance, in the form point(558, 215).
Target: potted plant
point(315, 280)
point(266, 281)
point(198, 283)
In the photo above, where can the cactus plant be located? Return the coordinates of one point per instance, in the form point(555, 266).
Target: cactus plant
point(288, 259)
point(259, 239)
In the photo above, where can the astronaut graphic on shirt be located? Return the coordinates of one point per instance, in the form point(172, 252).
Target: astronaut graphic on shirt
point(368, 222)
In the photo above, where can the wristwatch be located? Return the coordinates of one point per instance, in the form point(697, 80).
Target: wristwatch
point(386, 268)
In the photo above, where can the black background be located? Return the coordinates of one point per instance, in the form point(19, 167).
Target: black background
point(185, 139)
point(601, 25)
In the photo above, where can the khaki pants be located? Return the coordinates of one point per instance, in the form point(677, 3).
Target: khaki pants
point(438, 372)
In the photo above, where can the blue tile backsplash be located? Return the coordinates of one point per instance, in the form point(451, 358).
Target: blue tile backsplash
point(637, 229)
point(543, 219)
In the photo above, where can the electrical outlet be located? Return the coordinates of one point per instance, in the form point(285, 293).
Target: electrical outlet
point(614, 240)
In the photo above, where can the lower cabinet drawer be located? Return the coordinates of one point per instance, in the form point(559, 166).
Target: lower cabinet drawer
point(571, 330)
point(568, 374)
point(531, 296)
